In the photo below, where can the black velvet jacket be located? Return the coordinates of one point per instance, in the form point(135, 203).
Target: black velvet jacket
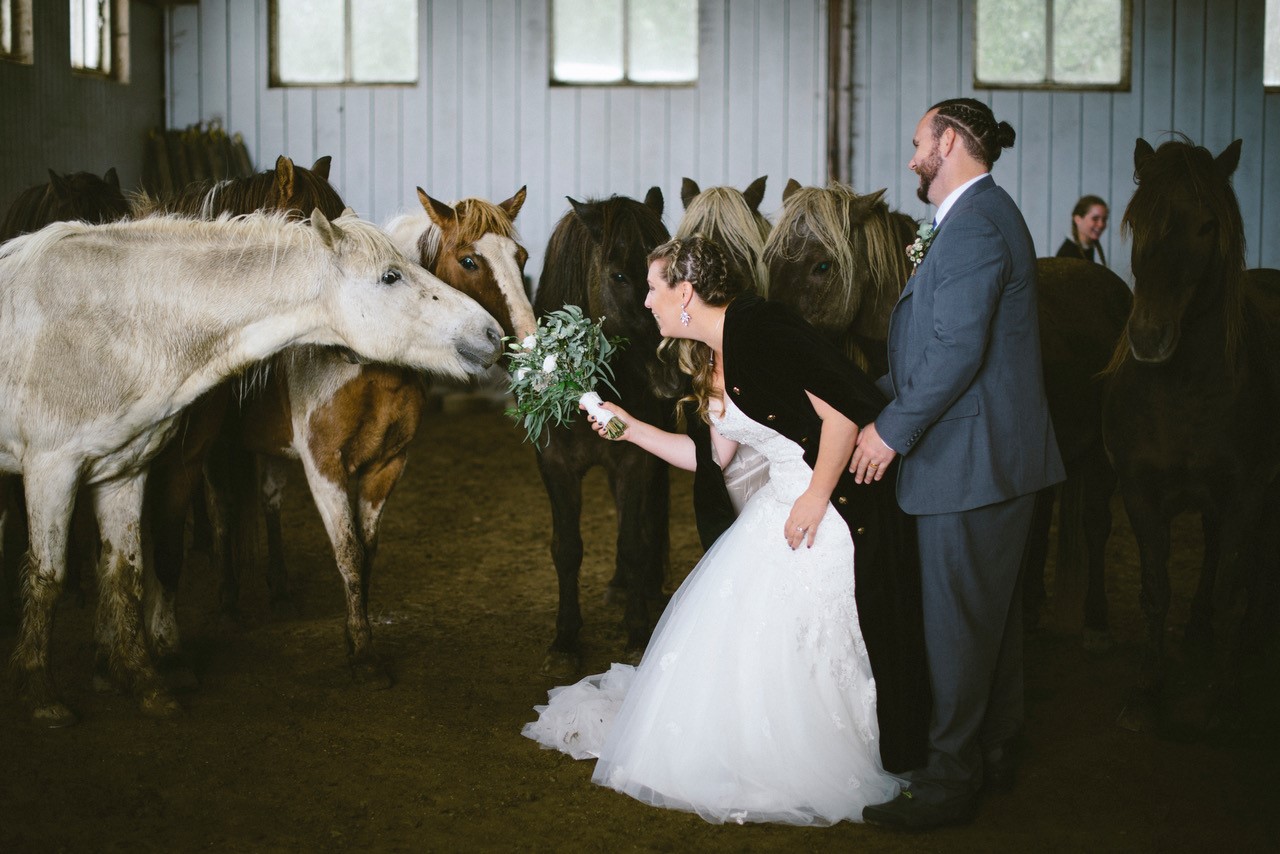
point(771, 358)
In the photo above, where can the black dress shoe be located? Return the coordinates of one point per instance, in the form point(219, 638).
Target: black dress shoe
point(908, 813)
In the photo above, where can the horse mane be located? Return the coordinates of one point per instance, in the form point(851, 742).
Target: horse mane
point(723, 216)
point(209, 199)
point(852, 232)
point(416, 236)
point(1179, 166)
point(82, 196)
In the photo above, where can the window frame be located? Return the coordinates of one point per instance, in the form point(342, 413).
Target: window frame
point(626, 82)
point(1126, 58)
point(1269, 8)
point(273, 59)
point(115, 43)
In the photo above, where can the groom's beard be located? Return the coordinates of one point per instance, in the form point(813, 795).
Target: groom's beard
point(927, 171)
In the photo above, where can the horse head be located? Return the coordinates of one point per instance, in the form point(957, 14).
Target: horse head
point(1188, 244)
point(387, 308)
point(473, 247)
point(622, 232)
point(76, 196)
point(293, 188)
point(732, 220)
point(839, 259)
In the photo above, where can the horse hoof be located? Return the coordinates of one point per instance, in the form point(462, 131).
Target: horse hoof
point(53, 716)
point(158, 703)
point(563, 666)
point(1098, 641)
point(371, 676)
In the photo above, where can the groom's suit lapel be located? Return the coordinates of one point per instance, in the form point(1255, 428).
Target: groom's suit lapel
point(965, 200)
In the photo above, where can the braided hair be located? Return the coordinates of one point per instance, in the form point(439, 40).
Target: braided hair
point(702, 264)
point(976, 125)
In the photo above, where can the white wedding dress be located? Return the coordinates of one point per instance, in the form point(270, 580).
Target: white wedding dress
point(754, 701)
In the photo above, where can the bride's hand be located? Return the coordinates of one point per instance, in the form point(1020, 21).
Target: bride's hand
point(615, 410)
point(802, 523)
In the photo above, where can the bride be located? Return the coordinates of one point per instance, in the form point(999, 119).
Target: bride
point(755, 700)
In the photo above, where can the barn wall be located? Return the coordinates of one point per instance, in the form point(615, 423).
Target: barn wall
point(483, 121)
point(1197, 68)
point(51, 118)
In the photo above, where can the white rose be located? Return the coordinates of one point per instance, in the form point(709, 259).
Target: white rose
point(529, 341)
point(520, 374)
point(549, 364)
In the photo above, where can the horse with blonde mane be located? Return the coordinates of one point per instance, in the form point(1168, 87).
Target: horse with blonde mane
point(731, 219)
point(839, 259)
point(109, 331)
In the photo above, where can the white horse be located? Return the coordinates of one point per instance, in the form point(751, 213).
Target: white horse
point(107, 332)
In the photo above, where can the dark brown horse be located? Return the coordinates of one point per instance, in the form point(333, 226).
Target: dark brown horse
point(1191, 400)
point(839, 258)
point(596, 259)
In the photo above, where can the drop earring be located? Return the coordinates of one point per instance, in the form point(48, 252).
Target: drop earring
point(684, 314)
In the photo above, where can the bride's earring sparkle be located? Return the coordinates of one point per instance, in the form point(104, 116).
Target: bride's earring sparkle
point(684, 315)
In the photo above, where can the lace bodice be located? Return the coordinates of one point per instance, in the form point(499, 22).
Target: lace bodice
point(787, 468)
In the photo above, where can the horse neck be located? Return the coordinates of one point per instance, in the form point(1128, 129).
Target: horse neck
point(880, 240)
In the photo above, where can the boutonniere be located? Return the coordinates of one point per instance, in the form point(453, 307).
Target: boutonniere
point(916, 251)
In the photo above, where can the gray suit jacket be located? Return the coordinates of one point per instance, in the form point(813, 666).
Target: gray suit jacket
point(968, 411)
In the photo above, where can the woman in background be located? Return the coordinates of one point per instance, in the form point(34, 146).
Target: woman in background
point(1088, 221)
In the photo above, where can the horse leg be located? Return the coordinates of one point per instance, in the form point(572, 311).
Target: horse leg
point(1034, 556)
point(334, 501)
point(639, 490)
point(119, 508)
point(376, 484)
point(1099, 486)
point(272, 481)
point(564, 489)
point(50, 493)
point(10, 592)
point(1197, 637)
point(1151, 530)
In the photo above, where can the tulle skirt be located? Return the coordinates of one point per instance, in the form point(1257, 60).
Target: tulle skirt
point(754, 701)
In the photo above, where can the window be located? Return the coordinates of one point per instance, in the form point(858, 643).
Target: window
point(343, 42)
point(91, 35)
point(1052, 44)
point(612, 42)
point(1271, 49)
point(15, 30)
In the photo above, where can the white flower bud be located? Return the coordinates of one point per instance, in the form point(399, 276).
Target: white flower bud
point(549, 364)
point(529, 341)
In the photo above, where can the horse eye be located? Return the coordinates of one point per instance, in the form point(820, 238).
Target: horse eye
point(469, 263)
point(391, 277)
point(822, 268)
point(1207, 226)
point(620, 278)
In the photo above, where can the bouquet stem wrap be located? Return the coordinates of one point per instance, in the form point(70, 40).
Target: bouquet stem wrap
point(614, 426)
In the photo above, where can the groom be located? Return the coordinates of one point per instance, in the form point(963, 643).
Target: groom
point(969, 417)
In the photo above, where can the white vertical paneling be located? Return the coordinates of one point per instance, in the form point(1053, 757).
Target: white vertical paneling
point(504, 105)
point(913, 48)
point(806, 98)
point(214, 32)
point(770, 73)
point(595, 139)
point(1219, 82)
point(1157, 72)
point(1188, 68)
point(712, 113)
point(446, 118)
point(1034, 150)
point(1268, 242)
point(182, 35)
point(679, 127)
point(270, 103)
point(741, 68)
point(471, 79)
point(1065, 164)
point(357, 151)
point(329, 138)
point(543, 206)
point(884, 143)
point(299, 126)
point(1093, 174)
point(1249, 123)
point(653, 148)
point(387, 164)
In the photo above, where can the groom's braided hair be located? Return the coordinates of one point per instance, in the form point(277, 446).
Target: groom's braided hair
point(977, 127)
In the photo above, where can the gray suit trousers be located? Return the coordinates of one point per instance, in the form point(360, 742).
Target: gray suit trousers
point(973, 640)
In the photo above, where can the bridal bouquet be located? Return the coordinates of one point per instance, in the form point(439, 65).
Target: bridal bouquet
point(558, 367)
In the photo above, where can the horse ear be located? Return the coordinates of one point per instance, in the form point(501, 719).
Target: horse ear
point(513, 205)
point(653, 199)
point(754, 194)
point(349, 211)
point(284, 177)
point(1229, 159)
point(61, 188)
point(1142, 152)
point(792, 186)
point(688, 191)
point(588, 215)
point(321, 166)
point(440, 213)
point(112, 178)
point(329, 233)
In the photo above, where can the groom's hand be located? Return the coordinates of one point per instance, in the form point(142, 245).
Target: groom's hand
point(871, 456)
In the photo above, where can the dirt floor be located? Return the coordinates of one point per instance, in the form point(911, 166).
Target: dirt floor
point(278, 751)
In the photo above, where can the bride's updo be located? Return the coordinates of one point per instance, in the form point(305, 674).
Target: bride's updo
point(702, 264)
